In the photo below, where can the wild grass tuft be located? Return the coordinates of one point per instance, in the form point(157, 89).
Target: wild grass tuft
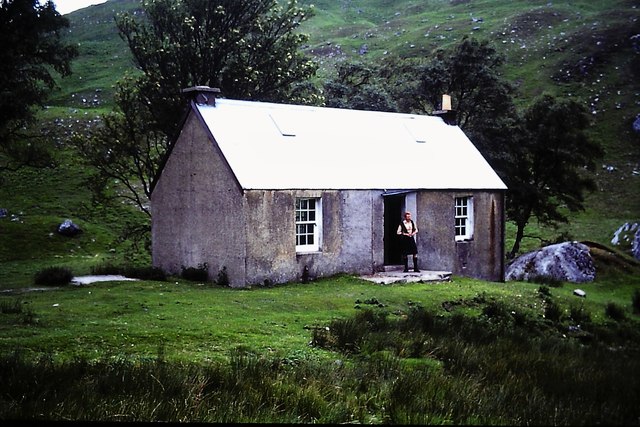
point(53, 276)
point(615, 311)
point(635, 301)
point(196, 274)
point(135, 272)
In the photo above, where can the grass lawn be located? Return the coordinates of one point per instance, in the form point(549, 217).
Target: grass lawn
point(459, 352)
point(198, 322)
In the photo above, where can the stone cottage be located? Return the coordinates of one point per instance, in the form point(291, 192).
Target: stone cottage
point(275, 192)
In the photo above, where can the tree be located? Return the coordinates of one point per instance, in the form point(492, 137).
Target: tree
point(483, 100)
point(546, 174)
point(248, 48)
point(357, 85)
point(32, 50)
point(127, 148)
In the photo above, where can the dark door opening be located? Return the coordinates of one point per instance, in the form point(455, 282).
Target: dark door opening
point(393, 206)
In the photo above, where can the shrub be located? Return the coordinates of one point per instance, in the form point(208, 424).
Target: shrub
point(579, 314)
point(635, 301)
point(142, 273)
point(552, 311)
point(419, 319)
point(544, 292)
point(614, 311)
point(146, 273)
point(107, 269)
point(196, 274)
point(14, 307)
point(497, 310)
point(223, 277)
point(53, 276)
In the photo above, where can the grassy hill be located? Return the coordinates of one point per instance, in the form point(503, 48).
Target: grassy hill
point(580, 49)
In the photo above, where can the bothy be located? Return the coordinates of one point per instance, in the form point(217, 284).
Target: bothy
point(277, 192)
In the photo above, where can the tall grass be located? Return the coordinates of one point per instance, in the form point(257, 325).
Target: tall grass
point(468, 371)
point(501, 367)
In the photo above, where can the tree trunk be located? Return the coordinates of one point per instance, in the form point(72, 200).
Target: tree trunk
point(516, 244)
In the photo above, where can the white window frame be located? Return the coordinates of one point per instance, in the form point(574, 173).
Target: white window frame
point(463, 218)
point(308, 224)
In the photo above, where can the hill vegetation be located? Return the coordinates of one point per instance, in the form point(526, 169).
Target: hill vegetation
point(583, 49)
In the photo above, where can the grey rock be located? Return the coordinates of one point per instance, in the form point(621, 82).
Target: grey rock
point(68, 228)
point(580, 293)
point(568, 262)
point(628, 237)
point(636, 124)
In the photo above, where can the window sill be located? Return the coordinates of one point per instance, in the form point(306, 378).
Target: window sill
point(309, 252)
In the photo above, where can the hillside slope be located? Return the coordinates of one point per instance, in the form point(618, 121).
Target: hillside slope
point(581, 49)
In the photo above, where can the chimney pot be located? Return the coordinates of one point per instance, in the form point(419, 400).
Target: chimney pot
point(446, 113)
point(203, 95)
point(446, 102)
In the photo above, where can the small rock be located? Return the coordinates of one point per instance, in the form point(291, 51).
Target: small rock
point(68, 228)
point(580, 293)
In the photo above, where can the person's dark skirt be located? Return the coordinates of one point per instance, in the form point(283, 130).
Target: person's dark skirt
point(408, 246)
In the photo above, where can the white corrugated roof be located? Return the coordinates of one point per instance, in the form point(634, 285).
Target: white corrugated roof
point(279, 146)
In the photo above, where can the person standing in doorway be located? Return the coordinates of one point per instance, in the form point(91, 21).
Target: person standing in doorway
point(407, 230)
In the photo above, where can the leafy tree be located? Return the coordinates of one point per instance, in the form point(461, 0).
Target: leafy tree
point(546, 173)
point(357, 86)
point(481, 97)
point(32, 50)
point(248, 48)
point(127, 148)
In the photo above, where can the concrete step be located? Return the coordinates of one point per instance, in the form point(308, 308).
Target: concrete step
point(395, 274)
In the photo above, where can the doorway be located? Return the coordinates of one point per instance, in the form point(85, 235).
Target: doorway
point(393, 207)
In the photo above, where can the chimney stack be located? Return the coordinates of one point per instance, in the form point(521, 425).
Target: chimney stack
point(446, 113)
point(202, 95)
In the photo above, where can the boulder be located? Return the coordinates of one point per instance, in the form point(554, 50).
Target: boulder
point(628, 237)
point(636, 124)
point(567, 262)
point(68, 228)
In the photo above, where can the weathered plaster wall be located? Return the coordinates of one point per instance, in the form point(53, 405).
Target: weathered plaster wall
point(481, 257)
point(351, 241)
point(197, 209)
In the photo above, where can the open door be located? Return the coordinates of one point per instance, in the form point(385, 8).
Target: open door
point(393, 208)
